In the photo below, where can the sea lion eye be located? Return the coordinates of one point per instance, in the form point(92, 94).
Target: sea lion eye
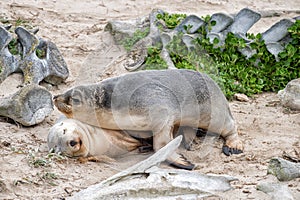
point(73, 143)
point(75, 101)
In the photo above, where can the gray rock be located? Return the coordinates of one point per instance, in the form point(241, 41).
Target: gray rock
point(51, 68)
point(190, 24)
point(290, 95)
point(284, 170)
point(29, 106)
point(278, 31)
point(121, 30)
point(243, 21)
point(222, 22)
point(277, 191)
point(8, 63)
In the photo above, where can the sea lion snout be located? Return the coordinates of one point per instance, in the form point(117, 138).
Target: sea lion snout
point(62, 104)
point(55, 97)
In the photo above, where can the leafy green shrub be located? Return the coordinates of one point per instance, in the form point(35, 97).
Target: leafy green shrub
point(226, 64)
point(128, 43)
point(259, 73)
point(232, 70)
point(171, 20)
point(154, 61)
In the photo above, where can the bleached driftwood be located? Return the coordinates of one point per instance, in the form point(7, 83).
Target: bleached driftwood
point(29, 106)
point(145, 180)
point(284, 170)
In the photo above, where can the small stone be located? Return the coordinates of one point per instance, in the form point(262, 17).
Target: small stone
point(275, 190)
point(241, 97)
point(6, 144)
point(290, 96)
point(283, 169)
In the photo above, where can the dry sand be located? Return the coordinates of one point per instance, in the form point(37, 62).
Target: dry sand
point(76, 27)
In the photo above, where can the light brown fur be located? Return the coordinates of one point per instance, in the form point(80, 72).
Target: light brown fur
point(76, 139)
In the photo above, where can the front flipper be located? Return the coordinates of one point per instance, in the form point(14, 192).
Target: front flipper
point(99, 158)
point(179, 161)
point(189, 135)
point(163, 137)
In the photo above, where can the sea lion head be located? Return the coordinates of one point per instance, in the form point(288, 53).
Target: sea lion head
point(77, 101)
point(68, 138)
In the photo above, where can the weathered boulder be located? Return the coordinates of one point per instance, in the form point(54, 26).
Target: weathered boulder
point(290, 95)
point(48, 66)
point(284, 170)
point(218, 28)
point(29, 106)
point(277, 191)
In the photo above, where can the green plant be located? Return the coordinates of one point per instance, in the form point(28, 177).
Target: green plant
point(128, 43)
point(48, 177)
point(153, 60)
point(13, 47)
point(20, 22)
point(41, 53)
point(44, 161)
point(171, 20)
point(259, 73)
point(197, 59)
point(226, 64)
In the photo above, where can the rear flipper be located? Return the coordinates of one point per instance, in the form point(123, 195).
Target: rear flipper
point(233, 145)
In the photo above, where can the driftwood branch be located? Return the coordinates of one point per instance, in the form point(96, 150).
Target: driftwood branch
point(160, 156)
point(146, 180)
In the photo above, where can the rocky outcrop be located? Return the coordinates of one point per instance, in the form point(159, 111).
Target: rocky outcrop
point(37, 60)
point(275, 38)
point(29, 106)
point(283, 169)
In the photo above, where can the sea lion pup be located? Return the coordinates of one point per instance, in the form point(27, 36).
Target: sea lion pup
point(76, 139)
point(155, 100)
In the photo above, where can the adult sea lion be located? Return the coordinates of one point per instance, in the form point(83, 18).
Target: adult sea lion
point(158, 101)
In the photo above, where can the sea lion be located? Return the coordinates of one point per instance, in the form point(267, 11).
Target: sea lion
point(158, 101)
point(76, 139)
